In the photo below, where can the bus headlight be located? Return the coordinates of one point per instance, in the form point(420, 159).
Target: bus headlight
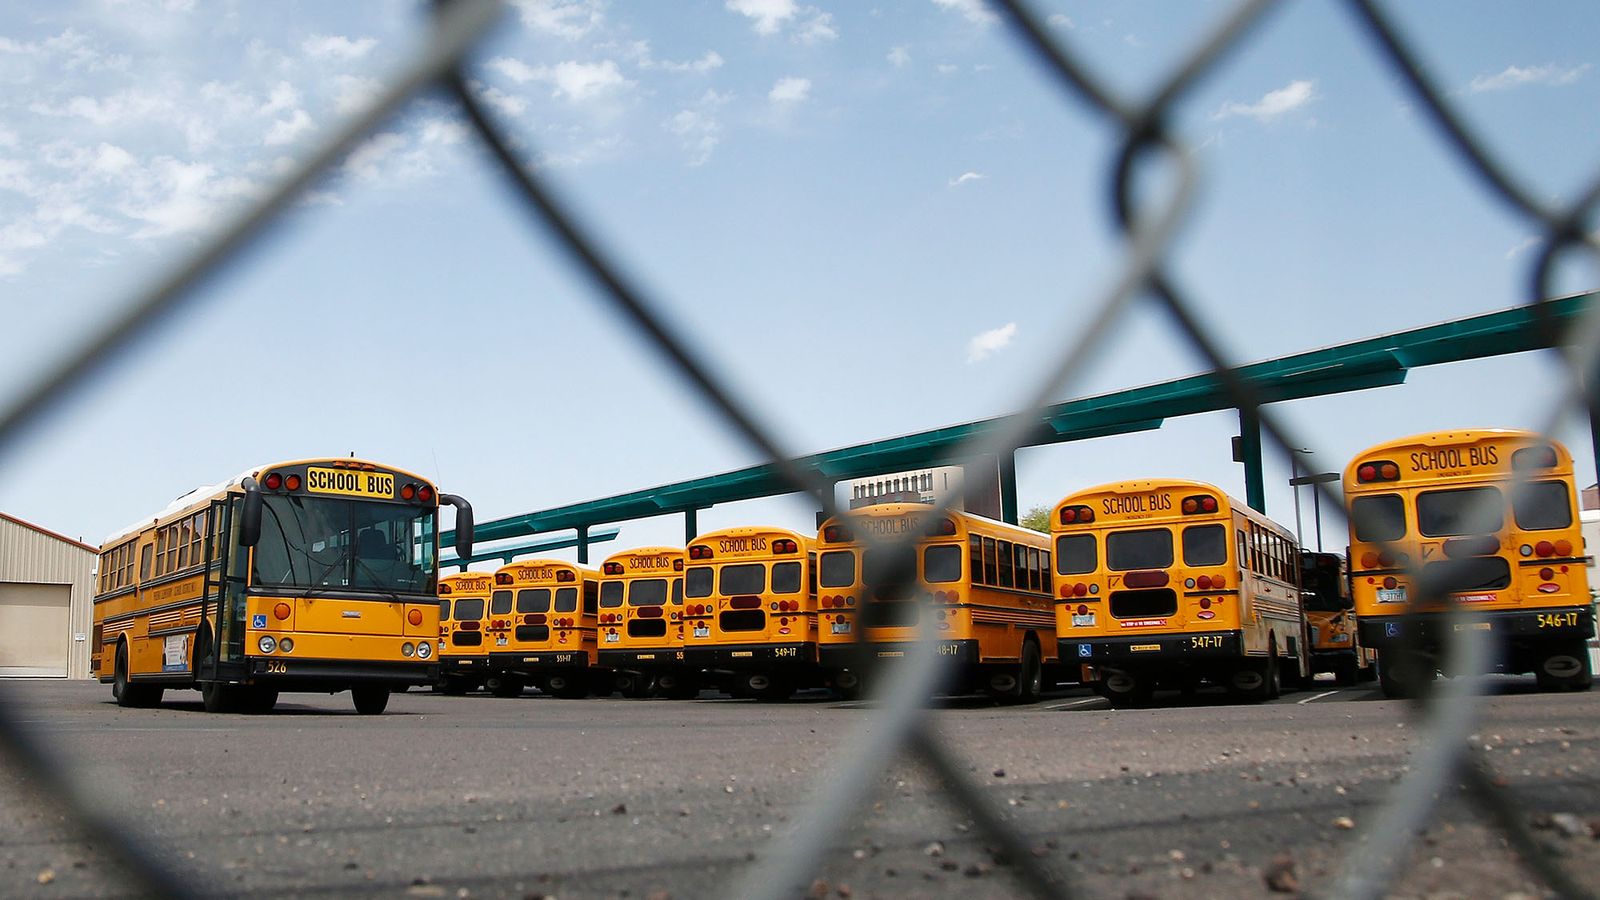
point(424, 650)
point(286, 645)
point(267, 643)
point(407, 650)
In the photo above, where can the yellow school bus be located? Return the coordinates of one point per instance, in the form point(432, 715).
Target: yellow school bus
point(463, 656)
point(750, 610)
point(1174, 583)
point(641, 622)
point(309, 575)
point(980, 588)
point(1334, 640)
point(1488, 516)
point(542, 624)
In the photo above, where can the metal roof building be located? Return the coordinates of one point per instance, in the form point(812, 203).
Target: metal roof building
point(46, 602)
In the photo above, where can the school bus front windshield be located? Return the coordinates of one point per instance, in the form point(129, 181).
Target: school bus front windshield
point(323, 543)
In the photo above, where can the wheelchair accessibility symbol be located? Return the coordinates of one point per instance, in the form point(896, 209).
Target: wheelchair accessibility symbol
point(1085, 650)
point(1391, 629)
point(259, 620)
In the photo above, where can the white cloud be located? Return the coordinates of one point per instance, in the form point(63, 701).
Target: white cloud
point(641, 52)
point(283, 98)
point(575, 80)
point(1517, 76)
point(333, 46)
point(900, 57)
point(287, 131)
point(1057, 20)
point(506, 104)
point(974, 11)
point(363, 162)
point(948, 68)
point(790, 90)
point(986, 344)
point(965, 177)
point(769, 15)
point(569, 19)
point(1527, 243)
point(698, 128)
point(817, 27)
point(1273, 104)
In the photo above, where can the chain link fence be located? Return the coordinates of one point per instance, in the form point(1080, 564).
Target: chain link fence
point(898, 726)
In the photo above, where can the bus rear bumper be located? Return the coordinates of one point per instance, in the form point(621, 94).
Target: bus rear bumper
point(1165, 647)
point(463, 665)
point(538, 660)
point(641, 660)
point(1429, 631)
point(858, 656)
point(744, 656)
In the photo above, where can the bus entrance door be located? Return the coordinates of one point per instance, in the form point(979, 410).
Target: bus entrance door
point(222, 613)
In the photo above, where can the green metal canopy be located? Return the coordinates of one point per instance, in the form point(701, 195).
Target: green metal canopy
point(1370, 363)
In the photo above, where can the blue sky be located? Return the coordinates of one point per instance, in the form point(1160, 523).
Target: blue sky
point(878, 218)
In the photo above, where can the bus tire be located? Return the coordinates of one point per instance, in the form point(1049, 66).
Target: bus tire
point(507, 686)
point(1255, 682)
point(847, 684)
point(678, 686)
point(259, 700)
point(1564, 667)
point(568, 687)
point(634, 685)
point(765, 686)
point(370, 701)
point(1030, 683)
point(128, 694)
point(218, 697)
point(1346, 671)
point(1404, 674)
point(1126, 690)
point(451, 685)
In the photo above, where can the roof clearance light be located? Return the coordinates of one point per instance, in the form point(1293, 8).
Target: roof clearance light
point(699, 551)
point(444, 590)
point(566, 575)
point(424, 493)
point(273, 481)
point(292, 482)
point(837, 534)
point(1208, 504)
point(1377, 470)
point(613, 568)
point(408, 492)
point(785, 546)
point(502, 578)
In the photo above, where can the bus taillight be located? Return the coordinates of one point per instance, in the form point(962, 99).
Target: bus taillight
point(700, 551)
point(566, 575)
point(1076, 515)
point(424, 493)
point(502, 578)
point(408, 492)
point(785, 546)
point(1199, 503)
point(613, 568)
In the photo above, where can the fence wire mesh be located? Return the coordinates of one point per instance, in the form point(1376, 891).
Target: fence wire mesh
point(898, 725)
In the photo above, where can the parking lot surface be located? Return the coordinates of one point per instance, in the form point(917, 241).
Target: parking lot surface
point(483, 797)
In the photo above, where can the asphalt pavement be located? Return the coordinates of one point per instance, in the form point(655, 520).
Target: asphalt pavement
point(534, 796)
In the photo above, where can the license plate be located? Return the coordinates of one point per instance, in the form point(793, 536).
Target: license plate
point(612, 637)
point(841, 628)
point(500, 640)
point(702, 631)
point(1392, 595)
point(1083, 620)
point(350, 483)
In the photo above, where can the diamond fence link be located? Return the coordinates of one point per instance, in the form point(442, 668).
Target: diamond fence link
point(899, 723)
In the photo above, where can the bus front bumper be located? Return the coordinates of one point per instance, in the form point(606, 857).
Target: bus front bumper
point(1432, 630)
point(1123, 649)
point(288, 674)
point(745, 656)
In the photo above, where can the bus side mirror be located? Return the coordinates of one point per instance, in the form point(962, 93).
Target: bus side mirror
point(250, 527)
point(463, 525)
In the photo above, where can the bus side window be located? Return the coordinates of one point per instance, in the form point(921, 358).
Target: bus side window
point(990, 576)
point(591, 598)
point(144, 561)
point(1003, 563)
point(975, 558)
point(812, 568)
point(1244, 551)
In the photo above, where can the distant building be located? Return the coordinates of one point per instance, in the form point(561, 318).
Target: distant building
point(973, 488)
point(46, 602)
point(1589, 497)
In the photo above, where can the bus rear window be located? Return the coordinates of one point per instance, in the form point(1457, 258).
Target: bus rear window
point(1460, 511)
point(838, 568)
point(648, 592)
point(744, 578)
point(611, 594)
point(1147, 549)
point(533, 600)
point(444, 610)
point(1076, 554)
point(1205, 545)
point(1378, 518)
point(567, 600)
point(941, 564)
point(1542, 505)
point(469, 609)
point(501, 603)
point(698, 581)
point(786, 578)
